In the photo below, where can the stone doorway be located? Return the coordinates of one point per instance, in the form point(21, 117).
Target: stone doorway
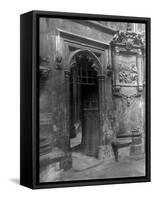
point(84, 106)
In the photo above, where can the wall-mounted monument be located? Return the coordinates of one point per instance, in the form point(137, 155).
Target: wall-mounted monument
point(128, 62)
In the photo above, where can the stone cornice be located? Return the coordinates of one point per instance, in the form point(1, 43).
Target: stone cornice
point(97, 25)
point(69, 36)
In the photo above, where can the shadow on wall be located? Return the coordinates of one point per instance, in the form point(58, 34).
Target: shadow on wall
point(15, 180)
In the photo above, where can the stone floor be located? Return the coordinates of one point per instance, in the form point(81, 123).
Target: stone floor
point(85, 167)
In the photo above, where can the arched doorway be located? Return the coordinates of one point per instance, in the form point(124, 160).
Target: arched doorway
point(85, 103)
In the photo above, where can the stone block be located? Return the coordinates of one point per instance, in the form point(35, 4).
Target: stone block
point(136, 149)
point(66, 162)
point(105, 152)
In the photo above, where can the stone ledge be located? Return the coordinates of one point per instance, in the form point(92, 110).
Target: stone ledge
point(53, 156)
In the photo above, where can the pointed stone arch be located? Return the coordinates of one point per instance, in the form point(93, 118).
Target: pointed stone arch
point(96, 63)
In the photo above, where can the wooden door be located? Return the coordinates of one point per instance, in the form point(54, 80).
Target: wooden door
point(90, 120)
point(84, 103)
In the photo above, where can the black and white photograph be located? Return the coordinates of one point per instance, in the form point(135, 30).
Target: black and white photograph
point(76, 100)
point(92, 99)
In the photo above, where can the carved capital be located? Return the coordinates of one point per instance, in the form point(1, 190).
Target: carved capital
point(140, 90)
point(101, 77)
point(139, 53)
point(116, 50)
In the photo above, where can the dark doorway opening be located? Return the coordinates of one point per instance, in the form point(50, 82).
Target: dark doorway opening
point(84, 106)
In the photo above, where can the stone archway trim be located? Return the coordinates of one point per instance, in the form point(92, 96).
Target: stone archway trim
point(101, 85)
point(90, 53)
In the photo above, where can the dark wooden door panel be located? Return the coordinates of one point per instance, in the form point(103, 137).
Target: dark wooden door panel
point(90, 139)
point(90, 122)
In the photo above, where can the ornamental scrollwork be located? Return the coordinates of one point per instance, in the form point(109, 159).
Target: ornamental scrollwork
point(129, 39)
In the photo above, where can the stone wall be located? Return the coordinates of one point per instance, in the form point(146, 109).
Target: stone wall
point(59, 38)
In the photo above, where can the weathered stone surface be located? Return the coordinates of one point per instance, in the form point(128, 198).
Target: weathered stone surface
point(105, 153)
point(122, 107)
point(136, 149)
point(66, 162)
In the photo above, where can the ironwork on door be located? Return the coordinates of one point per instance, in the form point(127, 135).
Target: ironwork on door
point(84, 103)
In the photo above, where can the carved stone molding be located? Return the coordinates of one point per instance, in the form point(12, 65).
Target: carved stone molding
point(128, 38)
point(109, 71)
point(116, 90)
point(85, 58)
point(101, 77)
point(140, 90)
point(139, 53)
point(59, 62)
point(116, 50)
point(128, 100)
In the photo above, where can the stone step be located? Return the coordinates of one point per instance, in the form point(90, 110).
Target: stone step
point(45, 149)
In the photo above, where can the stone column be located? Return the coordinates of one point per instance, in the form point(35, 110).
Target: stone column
point(66, 161)
point(139, 62)
point(104, 150)
point(101, 85)
point(116, 65)
point(67, 102)
point(136, 146)
point(144, 66)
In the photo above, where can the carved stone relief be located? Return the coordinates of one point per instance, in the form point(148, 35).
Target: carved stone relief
point(127, 69)
point(128, 73)
point(127, 51)
point(127, 48)
point(129, 39)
